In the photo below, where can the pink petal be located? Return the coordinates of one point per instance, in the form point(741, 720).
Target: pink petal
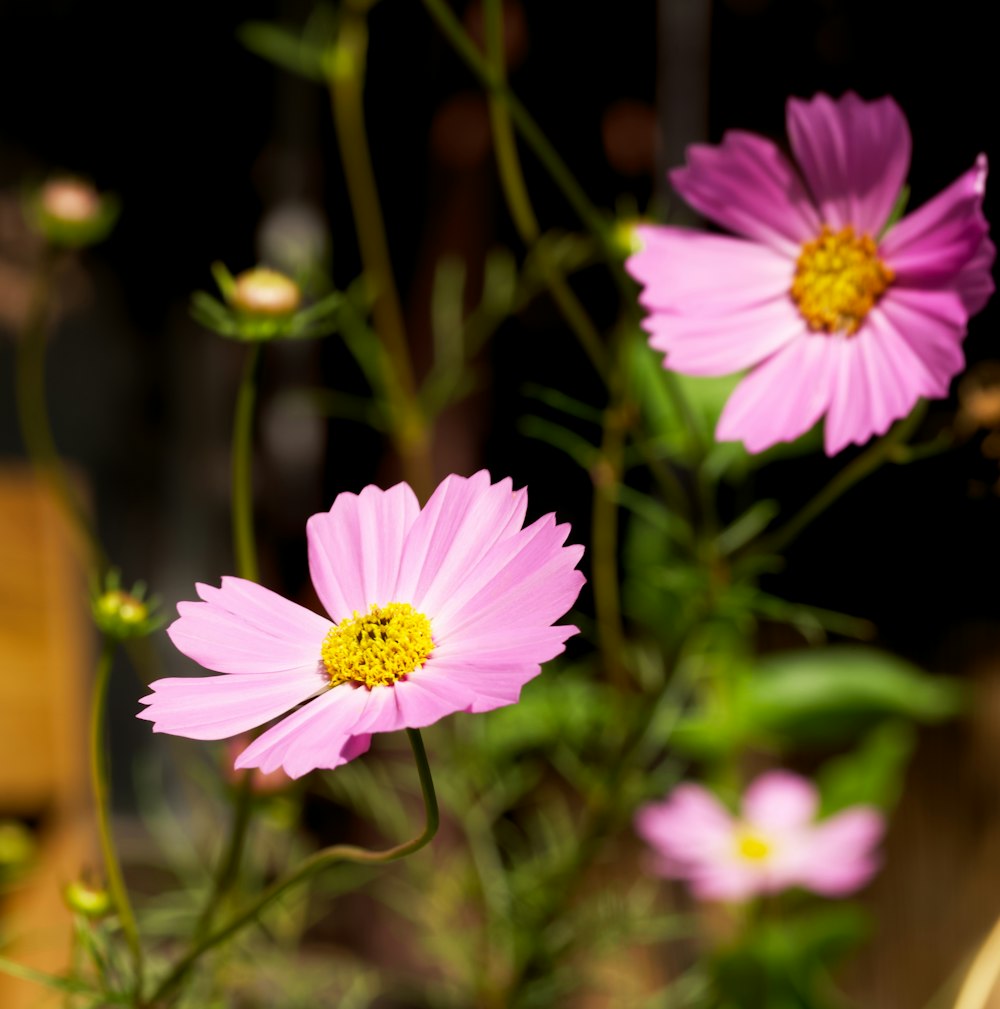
point(726, 343)
point(215, 707)
point(463, 519)
point(679, 270)
point(355, 549)
point(782, 398)
point(322, 734)
point(780, 801)
point(878, 380)
point(931, 245)
point(747, 185)
point(854, 156)
point(729, 881)
point(244, 628)
point(933, 324)
point(691, 827)
point(974, 282)
point(527, 581)
point(840, 855)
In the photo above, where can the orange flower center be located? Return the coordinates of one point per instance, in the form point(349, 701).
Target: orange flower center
point(378, 648)
point(838, 279)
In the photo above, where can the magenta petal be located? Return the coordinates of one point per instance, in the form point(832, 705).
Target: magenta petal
point(747, 185)
point(854, 155)
point(931, 245)
point(315, 736)
point(679, 270)
point(215, 707)
point(244, 628)
point(726, 343)
point(974, 282)
point(355, 548)
point(782, 398)
point(779, 801)
point(840, 854)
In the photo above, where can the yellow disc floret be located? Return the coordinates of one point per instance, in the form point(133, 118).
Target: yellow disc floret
point(752, 847)
point(378, 648)
point(838, 279)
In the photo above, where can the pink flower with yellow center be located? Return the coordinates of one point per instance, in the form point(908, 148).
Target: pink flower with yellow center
point(832, 316)
point(432, 610)
point(775, 842)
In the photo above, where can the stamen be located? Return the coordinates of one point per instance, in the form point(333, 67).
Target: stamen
point(838, 279)
point(752, 846)
point(378, 648)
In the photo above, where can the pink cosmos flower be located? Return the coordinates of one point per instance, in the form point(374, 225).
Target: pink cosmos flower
point(775, 843)
point(432, 610)
point(831, 316)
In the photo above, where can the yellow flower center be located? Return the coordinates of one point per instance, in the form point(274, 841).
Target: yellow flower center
point(838, 279)
point(378, 648)
point(752, 846)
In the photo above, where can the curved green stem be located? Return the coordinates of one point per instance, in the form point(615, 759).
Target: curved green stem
point(101, 788)
point(33, 417)
point(529, 130)
point(345, 71)
point(244, 543)
point(309, 867)
point(884, 450)
point(516, 193)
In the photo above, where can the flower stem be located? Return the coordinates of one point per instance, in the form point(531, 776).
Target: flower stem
point(244, 544)
point(526, 126)
point(309, 867)
point(345, 72)
point(890, 448)
point(100, 784)
point(519, 203)
point(33, 416)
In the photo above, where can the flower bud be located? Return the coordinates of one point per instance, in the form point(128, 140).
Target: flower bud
point(90, 901)
point(16, 845)
point(120, 614)
point(69, 211)
point(624, 237)
point(266, 292)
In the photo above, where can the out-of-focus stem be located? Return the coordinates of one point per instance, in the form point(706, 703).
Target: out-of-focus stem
point(100, 785)
point(309, 867)
point(345, 71)
point(882, 451)
point(33, 417)
point(981, 978)
point(241, 502)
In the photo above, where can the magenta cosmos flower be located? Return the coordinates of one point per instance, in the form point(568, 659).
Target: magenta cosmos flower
point(831, 316)
point(774, 844)
point(431, 611)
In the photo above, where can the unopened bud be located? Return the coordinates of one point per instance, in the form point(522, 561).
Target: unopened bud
point(16, 844)
point(70, 200)
point(90, 901)
point(624, 236)
point(266, 292)
point(120, 614)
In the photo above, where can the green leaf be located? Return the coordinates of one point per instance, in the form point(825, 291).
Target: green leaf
point(870, 775)
point(284, 48)
point(821, 694)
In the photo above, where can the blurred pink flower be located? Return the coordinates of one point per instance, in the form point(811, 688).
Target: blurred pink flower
point(831, 316)
point(431, 611)
point(774, 844)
